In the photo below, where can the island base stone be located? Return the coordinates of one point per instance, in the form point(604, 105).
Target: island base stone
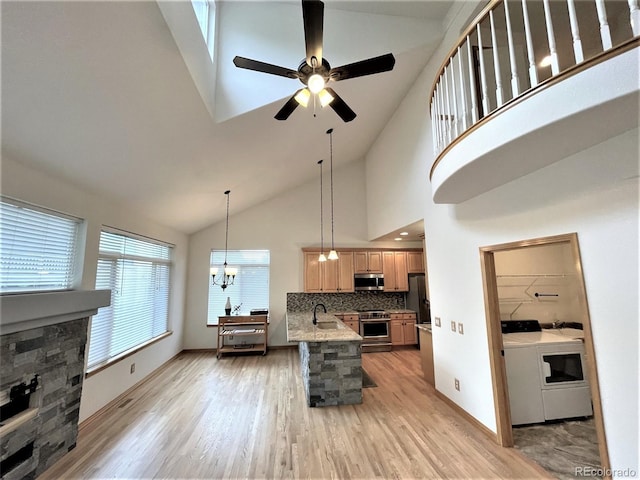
point(331, 372)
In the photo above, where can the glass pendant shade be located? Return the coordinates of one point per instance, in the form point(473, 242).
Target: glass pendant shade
point(325, 97)
point(333, 255)
point(303, 96)
point(315, 83)
point(322, 258)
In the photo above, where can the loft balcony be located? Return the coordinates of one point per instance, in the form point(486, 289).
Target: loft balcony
point(529, 83)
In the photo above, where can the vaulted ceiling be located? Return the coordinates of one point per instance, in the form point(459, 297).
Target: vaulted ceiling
point(117, 97)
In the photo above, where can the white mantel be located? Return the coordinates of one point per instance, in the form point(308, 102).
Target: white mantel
point(31, 310)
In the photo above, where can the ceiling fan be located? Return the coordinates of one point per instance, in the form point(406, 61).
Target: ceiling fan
point(314, 71)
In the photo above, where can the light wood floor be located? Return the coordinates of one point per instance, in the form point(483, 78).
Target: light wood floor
point(246, 417)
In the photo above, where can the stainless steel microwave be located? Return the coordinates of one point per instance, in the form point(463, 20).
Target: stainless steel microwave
point(368, 281)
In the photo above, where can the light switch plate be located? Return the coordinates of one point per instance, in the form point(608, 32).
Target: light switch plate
point(437, 321)
point(460, 329)
point(453, 325)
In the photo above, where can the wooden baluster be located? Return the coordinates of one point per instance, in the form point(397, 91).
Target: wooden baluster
point(533, 73)
point(463, 92)
point(515, 80)
point(634, 17)
point(605, 34)
point(555, 66)
point(472, 84)
point(496, 62)
point(575, 32)
point(483, 75)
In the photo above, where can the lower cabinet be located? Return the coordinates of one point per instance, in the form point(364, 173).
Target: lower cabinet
point(403, 329)
point(351, 321)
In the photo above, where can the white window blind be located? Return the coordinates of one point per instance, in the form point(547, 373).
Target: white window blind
point(137, 272)
point(250, 289)
point(37, 248)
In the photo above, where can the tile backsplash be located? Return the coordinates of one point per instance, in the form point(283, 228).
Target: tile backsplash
point(339, 302)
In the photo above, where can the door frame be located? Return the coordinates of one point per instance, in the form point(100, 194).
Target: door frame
point(504, 433)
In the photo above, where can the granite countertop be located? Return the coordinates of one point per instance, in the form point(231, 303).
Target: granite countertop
point(399, 310)
point(426, 327)
point(300, 328)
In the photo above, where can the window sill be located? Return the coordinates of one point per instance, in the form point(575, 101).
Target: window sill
point(98, 368)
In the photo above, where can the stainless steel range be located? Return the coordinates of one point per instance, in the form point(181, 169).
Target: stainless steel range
point(375, 331)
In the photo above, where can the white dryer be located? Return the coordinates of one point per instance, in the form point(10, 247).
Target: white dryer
point(546, 373)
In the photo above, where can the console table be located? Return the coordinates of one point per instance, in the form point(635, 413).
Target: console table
point(242, 326)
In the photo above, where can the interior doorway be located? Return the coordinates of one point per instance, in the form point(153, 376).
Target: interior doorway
point(522, 293)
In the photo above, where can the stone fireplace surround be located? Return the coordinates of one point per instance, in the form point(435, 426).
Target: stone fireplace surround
point(43, 334)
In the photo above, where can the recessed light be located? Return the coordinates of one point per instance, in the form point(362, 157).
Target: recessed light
point(397, 238)
point(404, 234)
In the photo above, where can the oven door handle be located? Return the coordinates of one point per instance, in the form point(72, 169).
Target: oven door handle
point(546, 369)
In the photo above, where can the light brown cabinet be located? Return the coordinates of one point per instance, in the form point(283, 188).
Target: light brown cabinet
point(331, 276)
point(403, 329)
point(426, 355)
point(415, 262)
point(394, 267)
point(352, 321)
point(368, 262)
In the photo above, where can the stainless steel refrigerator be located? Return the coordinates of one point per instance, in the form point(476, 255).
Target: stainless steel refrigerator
point(417, 298)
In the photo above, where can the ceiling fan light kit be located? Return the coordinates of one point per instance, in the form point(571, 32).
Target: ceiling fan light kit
point(314, 71)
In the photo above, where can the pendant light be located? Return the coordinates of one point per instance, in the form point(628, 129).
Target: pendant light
point(228, 273)
point(322, 257)
point(333, 255)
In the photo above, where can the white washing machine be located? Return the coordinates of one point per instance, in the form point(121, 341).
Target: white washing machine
point(546, 374)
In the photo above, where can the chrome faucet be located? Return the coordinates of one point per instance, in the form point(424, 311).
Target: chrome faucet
point(315, 319)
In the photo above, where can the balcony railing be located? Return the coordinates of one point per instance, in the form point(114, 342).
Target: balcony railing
point(515, 47)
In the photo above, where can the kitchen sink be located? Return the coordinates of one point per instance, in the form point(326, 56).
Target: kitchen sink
point(327, 325)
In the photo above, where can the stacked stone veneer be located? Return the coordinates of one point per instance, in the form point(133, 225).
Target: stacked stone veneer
point(56, 354)
point(331, 372)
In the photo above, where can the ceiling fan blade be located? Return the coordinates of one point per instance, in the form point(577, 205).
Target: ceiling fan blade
point(313, 18)
point(249, 64)
point(383, 63)
point(288, 108)
point(340, 107)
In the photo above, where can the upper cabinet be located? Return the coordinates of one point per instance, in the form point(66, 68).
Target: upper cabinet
point(337, 276)
point(332, 276)
point(415, 262)
point(368, 262)
point(396, 275)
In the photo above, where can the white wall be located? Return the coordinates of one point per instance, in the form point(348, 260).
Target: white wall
point(549, 270)
point(282, 225)
point(593, 193)
point(29, 185)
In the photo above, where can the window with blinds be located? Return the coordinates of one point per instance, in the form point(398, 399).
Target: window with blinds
point(38, 248)
point(250, 289)
point(137, 271)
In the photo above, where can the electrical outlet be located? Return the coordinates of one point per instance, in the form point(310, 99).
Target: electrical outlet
point(460, 329)
point(437, 321)
point(456, 383)
point(133, 367)
point(453, 325)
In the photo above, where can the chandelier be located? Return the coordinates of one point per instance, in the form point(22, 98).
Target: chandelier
point(228, 274)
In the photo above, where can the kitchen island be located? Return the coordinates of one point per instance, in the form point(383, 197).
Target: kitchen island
point(330, 358)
